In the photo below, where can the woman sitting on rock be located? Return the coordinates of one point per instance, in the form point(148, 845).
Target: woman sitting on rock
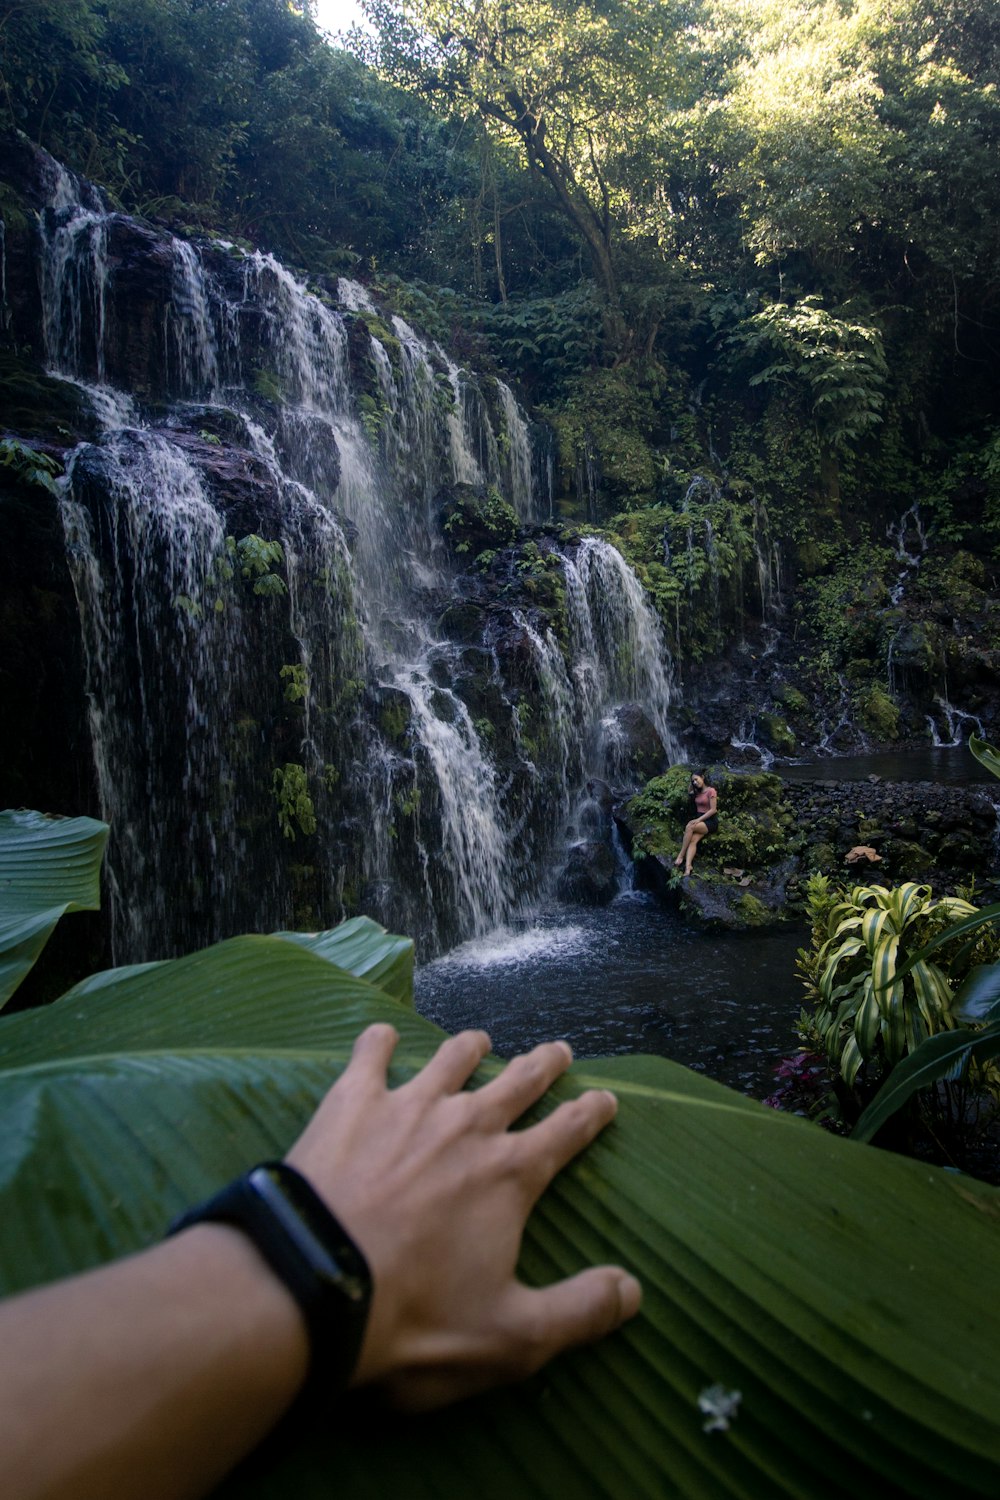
point(704, 822)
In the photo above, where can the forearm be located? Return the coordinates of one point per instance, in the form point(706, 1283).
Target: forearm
point(154, 1375)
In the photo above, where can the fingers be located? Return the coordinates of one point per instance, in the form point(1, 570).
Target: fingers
point(576, 1311)
point(372, 1053)
point(452, 1065)
point(545, 1148)
point(523, 1082)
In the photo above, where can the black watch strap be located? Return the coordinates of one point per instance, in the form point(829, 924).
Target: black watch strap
point(310, 1251)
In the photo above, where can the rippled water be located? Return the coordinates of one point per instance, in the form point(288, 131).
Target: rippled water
point(631, 977)
point(949, 765)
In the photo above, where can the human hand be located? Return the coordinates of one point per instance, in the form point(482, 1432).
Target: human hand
point(436, 1190)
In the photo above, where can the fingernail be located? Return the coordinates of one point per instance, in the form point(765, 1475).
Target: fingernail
point(613, 1097)
point(629, 1296)
point(566, 1048)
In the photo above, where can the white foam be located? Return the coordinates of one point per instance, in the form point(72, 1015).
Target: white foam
point(508, 947)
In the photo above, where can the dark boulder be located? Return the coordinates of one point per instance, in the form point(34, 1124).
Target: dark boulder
point(590, 875)
point(633, 750)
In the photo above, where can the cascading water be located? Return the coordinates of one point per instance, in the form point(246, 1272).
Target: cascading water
point(233, 700)
point(167, 675)
point(518, 463)
point(617, 643)
point(74, 278)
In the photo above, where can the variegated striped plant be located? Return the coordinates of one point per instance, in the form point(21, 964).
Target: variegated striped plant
point(874, 1007)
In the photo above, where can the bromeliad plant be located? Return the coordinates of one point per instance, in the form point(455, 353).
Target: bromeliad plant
point(769, 1251)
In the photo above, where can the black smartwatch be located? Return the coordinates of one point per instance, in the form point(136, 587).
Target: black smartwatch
point(308, 1250)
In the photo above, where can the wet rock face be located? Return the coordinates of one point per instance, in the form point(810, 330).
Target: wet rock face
point(140, 265)
point(237, 479)
point(635, 750)
point(590, 876)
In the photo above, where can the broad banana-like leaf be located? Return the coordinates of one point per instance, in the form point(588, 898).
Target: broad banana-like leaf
point(978, 998)
point(801, 1285)
point(48, 866)
point(985, 754)
point(364, 948)
point(937, 1057)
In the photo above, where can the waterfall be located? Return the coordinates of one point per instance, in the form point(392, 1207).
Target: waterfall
point(74, 273)
point(617, 642)
point(957, 724)
point(240, 700)
point(166, 649)
point(899, 534)
point(193, 339)
point(518, 459)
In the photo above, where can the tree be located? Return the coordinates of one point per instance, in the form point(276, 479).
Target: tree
point(577, 86)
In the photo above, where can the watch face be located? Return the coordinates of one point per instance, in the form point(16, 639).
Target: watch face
point(307, 1221)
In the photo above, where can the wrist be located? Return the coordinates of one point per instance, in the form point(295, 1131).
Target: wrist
point(243, 1311)
point(309, 1253)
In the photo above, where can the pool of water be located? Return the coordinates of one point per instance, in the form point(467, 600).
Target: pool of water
point(945, 764)
point(631, 977)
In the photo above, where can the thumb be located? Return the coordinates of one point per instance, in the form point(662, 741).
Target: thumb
point(579, 1310)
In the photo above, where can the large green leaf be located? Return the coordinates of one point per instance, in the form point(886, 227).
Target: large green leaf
point(937, 1057)
point(811, 1275)
point(985, 753)
point(364, 948)
point(48, 866)
point(978, 999)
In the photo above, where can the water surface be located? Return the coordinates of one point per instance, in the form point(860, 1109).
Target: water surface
point(948, 764)
point(631, 977)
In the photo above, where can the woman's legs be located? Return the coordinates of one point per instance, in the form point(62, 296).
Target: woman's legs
point(694, 832)
point(697, 835)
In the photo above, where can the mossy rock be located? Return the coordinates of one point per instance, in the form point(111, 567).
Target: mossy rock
point(476, 520)
point(720, 903)
point(878, 714)
point(754, 822)
point(823, 859)
point(792, 699)
point(909, 861)
point(36, 405)
point(752, 911)
point(776, 734)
